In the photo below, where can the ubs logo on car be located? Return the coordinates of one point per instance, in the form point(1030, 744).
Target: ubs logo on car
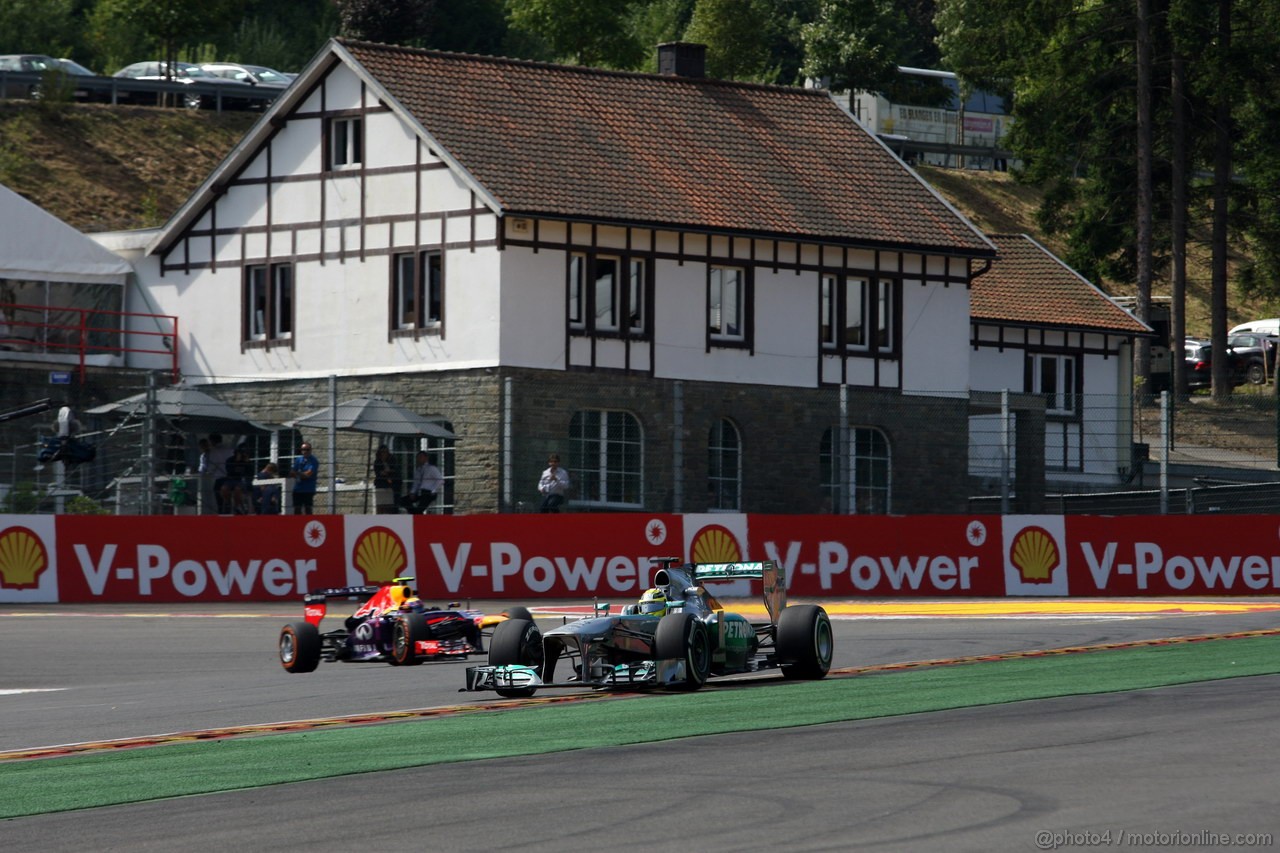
point(23, 558)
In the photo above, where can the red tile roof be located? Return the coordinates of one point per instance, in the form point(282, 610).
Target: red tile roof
point(562, 141)
point(1029, 285)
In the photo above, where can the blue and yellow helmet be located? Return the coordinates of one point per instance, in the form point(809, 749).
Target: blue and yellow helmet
point(653, 603)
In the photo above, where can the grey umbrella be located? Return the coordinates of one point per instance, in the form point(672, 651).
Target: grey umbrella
point(187, 408)
point(375, 416)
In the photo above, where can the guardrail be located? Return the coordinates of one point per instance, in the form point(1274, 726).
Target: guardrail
point(124, 90)
point(54, 331)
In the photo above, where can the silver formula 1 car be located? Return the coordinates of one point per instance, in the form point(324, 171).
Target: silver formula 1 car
point(694, 639)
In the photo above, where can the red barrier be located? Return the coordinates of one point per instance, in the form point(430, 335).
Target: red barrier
point(526, 557)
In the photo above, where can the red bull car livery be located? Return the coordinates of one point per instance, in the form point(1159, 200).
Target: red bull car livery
point(392, 625)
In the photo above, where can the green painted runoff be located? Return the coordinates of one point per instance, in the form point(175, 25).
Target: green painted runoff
point(29, 787)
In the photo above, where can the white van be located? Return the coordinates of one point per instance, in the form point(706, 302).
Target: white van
point(1261, 327)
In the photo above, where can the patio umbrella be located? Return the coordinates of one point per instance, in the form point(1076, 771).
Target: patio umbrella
point(375, 416)
point(187, 408)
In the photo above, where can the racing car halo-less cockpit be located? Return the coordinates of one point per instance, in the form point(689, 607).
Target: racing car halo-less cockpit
point(392, 625)
point(686, 638)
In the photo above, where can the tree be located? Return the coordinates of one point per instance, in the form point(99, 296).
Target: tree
point(582, 32)
point(738, 36)
point(37, 26)
point(857, 45)
point(125, 31)
point(386, 21)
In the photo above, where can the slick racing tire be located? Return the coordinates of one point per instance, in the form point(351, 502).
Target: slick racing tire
point(518, 642)
point(682, 637)
point(406, 631)
point(805, 642)
point(518, 613)
point(299, 647)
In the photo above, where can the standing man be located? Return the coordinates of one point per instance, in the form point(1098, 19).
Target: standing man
point(216, 461)
point(305, 471)
point(427, 481)
point(554, 484)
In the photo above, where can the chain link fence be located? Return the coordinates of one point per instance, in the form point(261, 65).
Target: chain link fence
point(645, 445)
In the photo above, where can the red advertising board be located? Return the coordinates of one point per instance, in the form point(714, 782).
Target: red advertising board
point(882, 556)
point(1174, 555)
point(191, 558)
point(608, 556)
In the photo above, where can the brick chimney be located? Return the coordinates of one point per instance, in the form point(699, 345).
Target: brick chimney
point(682, 59)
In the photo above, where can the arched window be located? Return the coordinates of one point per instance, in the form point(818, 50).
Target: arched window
point(606, 460)
point(855, 479)
point(724, 467)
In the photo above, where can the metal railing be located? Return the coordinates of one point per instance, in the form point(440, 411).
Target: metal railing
point(124, 90)
point(74, 334)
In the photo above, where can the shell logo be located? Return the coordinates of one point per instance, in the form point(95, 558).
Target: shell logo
point(1034, 553)
point(23, 558)
point(715, 544)
point(379, 555)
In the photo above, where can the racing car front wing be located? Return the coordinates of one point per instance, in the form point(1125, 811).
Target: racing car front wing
point(649, 673)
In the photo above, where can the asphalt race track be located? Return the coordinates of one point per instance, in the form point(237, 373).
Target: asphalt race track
point(1185, 766)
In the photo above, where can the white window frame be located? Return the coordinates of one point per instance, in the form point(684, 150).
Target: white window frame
point(726, 298)
point(1053, 376)
point(724, 467)
point(346, 143)
point(269, 302)
point(417, 290)
point(606, 464)
point(606, 292)
point(861, 469)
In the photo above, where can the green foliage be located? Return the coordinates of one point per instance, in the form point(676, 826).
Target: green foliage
point(386, 21)
point(581, 32)
point(21, 499)
point(37, 26)
point(857, 44)
point(85, 505)
point(738, 36)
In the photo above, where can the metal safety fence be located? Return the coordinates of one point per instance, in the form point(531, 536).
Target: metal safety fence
point(482, 443)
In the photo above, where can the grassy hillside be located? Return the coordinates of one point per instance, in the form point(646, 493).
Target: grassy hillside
point(103, 168)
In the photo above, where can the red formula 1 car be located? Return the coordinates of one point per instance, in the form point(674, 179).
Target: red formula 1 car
point(392, 625)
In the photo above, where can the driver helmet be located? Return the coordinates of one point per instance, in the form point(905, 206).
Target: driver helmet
point(653, 603)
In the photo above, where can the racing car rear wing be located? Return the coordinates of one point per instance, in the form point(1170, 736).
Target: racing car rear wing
point(315, 604)
point(774, 583)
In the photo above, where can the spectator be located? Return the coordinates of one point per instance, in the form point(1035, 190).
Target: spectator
point(386, 482)
point(239, 482)
point(427, 481)
point(216, 459)
point(305, 471)
point(266, 496)
point(553, 485)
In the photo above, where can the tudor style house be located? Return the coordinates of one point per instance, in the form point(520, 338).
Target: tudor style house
point(1039, 327)
point(705, 295)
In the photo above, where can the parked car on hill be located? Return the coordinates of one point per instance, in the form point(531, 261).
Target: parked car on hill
point(254, 75)
point(1270, 326)
point(1198, 356)
point(235, 95)
point(1257, 352)
point(56, 72)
